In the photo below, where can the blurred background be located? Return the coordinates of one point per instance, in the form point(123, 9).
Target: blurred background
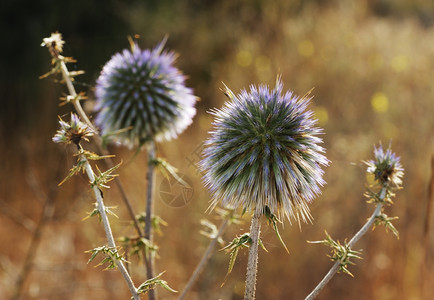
point(371, 64)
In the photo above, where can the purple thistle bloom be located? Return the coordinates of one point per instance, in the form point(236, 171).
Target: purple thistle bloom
point(386, 167)
point(264, 152)
point(142, 95)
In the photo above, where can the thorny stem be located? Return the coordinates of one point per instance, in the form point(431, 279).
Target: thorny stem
point(252, 263)
point(107, 228)
point(206, 256)
point(149, 234)
point(351, 243)
point(71, 89)
point(73, 93)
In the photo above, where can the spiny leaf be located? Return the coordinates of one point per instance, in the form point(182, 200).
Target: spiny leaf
point(138, 245)
point(104, 177)
point(383, 219)
point(262, 245)
point(229, 214)
point(93, 156)
point(151, 283)
point(141, 218)
point(112, 256)
point(108, 210)
point(108, 137)
point(93, 213)
point(233, 247)
point(211, 231)
point(340, 253)
point(96, 212)
point(69, 98)
point(80, 166)
point(272, 219)
point(156, 222)
point(168, 170)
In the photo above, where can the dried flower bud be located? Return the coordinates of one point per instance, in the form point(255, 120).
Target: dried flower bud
point(54, 43)
point(263, 152)
point(143, 92)
point(386, 167)
point(73, 132)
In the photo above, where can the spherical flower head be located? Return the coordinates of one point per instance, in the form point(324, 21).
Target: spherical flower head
point(142, 96)
point(264, 152)
point(386, 167)
point(72, 132)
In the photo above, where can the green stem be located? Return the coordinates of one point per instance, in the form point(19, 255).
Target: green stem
point(252, 264)
point(149, 233)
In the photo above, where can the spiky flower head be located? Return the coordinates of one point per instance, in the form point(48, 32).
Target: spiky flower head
point(263, 152)
point(72, 132)
point(54, 43)
point(141, 95)
point(386, 167)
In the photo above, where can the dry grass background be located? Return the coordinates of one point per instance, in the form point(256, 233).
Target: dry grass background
point(371, 64)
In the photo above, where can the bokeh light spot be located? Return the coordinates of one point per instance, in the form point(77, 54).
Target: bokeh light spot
point(380, 102)
point(244, 58)
point(321, 114)
point(306, 48)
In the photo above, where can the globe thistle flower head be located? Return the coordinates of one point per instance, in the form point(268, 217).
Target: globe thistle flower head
point(386, 167)
point(264, 153)
point(143, 92)
point(72, 132)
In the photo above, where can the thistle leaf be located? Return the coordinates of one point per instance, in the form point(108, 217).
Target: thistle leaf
point(151, 284)
point(272, 220)
point(112, 256)
point(168, 170)
point(93, 156)
point(233, 247)
point(79, 167)
point(341, 253)
point(104, 177)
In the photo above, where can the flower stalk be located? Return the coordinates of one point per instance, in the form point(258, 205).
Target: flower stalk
point(264, 157)
point(141, 98)
point(387, 171)
point(55, 46)
point(73, 133)
point(252, 263)
point(149, 232)
point(335, 268)
point(110, 239)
